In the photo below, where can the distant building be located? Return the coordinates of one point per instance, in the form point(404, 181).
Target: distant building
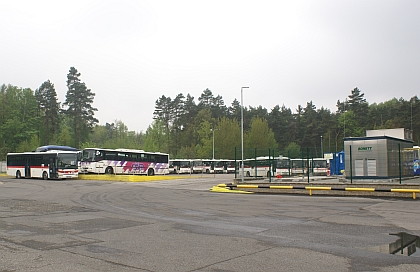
point(382, 154)
point(399, 133)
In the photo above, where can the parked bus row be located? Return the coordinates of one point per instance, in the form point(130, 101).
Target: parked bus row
point(194, 166)
point(283, 166)
point(60, 162)
point(261, 166)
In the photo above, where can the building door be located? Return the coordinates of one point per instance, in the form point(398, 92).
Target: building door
point(371, 167)
point(358, 168)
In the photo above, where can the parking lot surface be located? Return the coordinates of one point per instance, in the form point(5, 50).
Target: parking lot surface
point(180, 225)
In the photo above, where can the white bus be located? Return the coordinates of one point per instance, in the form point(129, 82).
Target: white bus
point(224, 166)
point(197, 166)
point(208, 166)
point(319, 166)
point(299, 166)
point(52, 164)
point(123, 161)
point(230, 168)
point(220, 167)
point(283, 166)
point(259, 167)
point(180, 166)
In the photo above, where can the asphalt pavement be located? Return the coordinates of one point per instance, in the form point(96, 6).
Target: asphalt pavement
point(180, 225)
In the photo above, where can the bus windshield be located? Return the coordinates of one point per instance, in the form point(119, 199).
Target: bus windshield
point(88, 155)
point(184, 164)
point(320, 164)
point(67, 161)
point(220, 163)
point(283, 164)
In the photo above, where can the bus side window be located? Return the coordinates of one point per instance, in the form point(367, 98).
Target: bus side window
point(110, 156)
point(143, 158)
point(132, 157)
point(122, 156)
point(99, 156)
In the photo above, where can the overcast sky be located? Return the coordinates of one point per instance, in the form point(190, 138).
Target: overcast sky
point(130, 53)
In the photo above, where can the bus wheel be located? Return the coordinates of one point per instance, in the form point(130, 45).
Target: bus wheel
point(109, 170)
point(207, 171)
point(44, 175)
point(150, 172)
point(248, 174)
point(18, 174)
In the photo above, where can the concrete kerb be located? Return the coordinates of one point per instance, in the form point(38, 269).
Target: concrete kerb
point(217, 189)
point(131, 178)
point(327, 186)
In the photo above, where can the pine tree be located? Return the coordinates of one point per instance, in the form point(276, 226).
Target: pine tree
point(48, 110)
point(79, 101)
point(357, 103)
point(205, 99)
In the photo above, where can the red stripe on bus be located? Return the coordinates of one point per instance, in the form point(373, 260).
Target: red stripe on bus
point(41, 167)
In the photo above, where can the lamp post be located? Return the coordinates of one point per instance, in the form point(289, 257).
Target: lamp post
point(344, 112)
point(213, 139)
point(411, 126)
point(242, 132)
point(322, 151)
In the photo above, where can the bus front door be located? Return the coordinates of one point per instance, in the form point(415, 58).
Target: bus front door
point(52, 168)
point(28, 168)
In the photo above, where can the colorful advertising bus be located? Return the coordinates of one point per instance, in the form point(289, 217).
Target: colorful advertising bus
point(53, 164)
point(123, 161)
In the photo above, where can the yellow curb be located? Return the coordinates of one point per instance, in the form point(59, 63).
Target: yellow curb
point(217, 189)
point(131, 178)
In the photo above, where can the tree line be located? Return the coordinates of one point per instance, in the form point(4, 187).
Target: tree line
point(29, 118)
point(185, 128)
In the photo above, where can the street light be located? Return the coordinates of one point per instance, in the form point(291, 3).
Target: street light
point(411, 127)
point(242, 131)
point(344, 112)
point(322, 151)
point(213, 139)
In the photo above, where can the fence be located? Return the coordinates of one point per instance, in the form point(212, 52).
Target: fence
point(303, 164)
point(254, 153)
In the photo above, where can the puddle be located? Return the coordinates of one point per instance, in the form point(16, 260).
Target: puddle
point(405, 245)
